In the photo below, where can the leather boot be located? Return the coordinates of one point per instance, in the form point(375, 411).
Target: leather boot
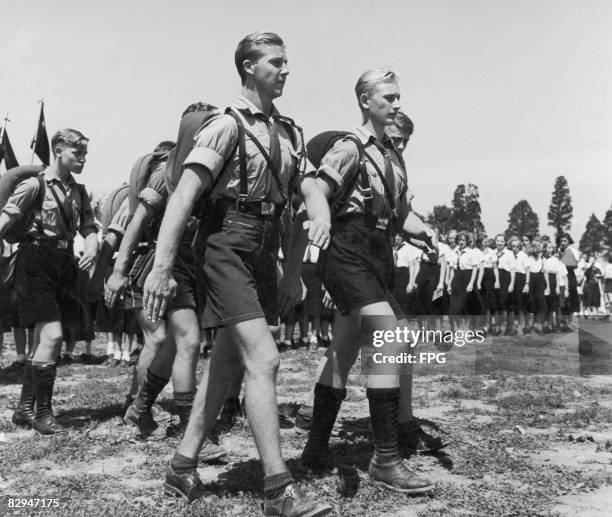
point(24, 414)
point(44, 379)
point(387, 469)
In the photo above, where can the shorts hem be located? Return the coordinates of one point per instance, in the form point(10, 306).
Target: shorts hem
point(222, 322)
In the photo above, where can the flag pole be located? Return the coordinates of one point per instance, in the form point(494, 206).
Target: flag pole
point(2, 129)
point(34, 141)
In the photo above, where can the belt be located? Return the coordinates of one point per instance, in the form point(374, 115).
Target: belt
point(259, 208)
point(373, 221)
point(57, 244)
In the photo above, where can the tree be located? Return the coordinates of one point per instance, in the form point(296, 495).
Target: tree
point(466, 210)
point(593, 236)
point(441, 218)
point(522, 220)
point(607, 229)
point(560, 211)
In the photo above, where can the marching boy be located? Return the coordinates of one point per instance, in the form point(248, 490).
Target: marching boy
point(46, 271)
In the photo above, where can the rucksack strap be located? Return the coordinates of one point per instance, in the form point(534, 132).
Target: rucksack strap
point(349, 181)
point(383, 179)
point(60, 206)
point(242, 133)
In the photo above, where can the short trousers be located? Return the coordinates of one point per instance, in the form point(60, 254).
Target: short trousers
point(183, 271)
point(240, 273)
point(358, 266)
point(46, 285)
point(314, 296)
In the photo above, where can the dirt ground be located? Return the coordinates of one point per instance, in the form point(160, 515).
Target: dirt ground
point(530, 421)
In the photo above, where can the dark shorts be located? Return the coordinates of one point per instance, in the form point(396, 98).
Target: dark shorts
point(184, 272)
point(314, 296)
point(46, 286)
point(358, 266)
point(240, 268)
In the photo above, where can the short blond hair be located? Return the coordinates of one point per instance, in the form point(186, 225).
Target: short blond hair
point(367, 82)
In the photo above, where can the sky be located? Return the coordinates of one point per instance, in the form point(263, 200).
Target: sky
point(506, 95)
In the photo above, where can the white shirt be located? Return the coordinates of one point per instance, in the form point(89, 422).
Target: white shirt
point(534, 264)
point(552, 265)
point(505, 259)
point(461, 259)
point(520, 262)
point(477, 257)
point(407, 254)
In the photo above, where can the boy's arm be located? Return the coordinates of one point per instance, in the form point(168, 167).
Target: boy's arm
point(312, 224)
point(159, 286)
point(118, 280)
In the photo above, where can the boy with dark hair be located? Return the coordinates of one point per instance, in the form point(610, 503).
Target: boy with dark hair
point(245, 159)
point(46, 273)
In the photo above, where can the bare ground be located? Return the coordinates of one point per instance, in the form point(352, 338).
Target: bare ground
point(530, 437)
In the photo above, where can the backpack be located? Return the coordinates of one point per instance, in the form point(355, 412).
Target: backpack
point(8, 182)
point(140, 174)
point(319, 145)
point(195, 116)
point(112, 203)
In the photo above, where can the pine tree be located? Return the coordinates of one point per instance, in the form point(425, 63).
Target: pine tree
point(466, 210)
point(560, 211)
point(593, 236)
point(441, 218)
point(522, 220)
point(607, 229)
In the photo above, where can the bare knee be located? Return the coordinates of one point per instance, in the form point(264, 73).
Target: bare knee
point(265, 363)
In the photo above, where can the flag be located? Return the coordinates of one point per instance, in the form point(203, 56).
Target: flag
point(40, 143)
point(6, 152)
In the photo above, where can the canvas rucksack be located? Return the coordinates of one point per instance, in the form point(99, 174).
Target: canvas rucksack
point(8, 182)
point(112, 203)
point(195, 116)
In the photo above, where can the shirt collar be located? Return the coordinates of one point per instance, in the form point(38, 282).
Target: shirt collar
point(245, 105)
point(69, 181)
point(365, 136)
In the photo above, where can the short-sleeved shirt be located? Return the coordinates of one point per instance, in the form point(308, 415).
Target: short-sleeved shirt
point(505, 259)
point(217, 140)
point(534, 264)
point(406, 254)
point(519, 263)
point(461, 259)
point(443, 250)
point(48, 222)
point(477, 257)
point(552, 265)
point(121, 218)
point(490, 258)
point(343, 158)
